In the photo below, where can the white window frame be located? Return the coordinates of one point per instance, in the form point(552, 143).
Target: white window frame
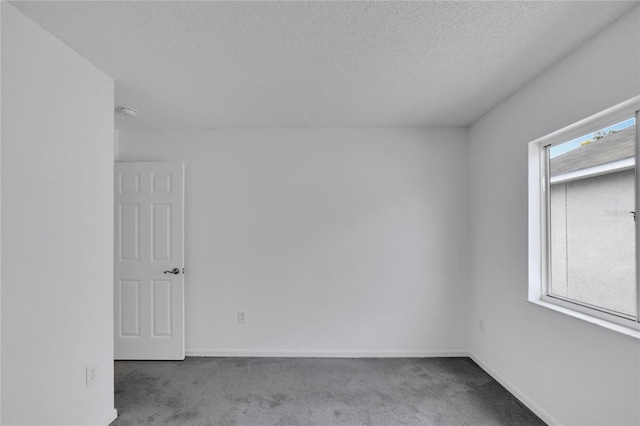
point(539, 227)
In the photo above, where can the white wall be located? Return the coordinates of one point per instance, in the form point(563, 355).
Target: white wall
point(57, 230)
point(570, 371)
point(0, 218)
point(116, 145)
point(335, 242)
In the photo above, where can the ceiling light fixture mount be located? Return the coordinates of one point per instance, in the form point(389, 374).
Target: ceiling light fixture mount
point(128, 111)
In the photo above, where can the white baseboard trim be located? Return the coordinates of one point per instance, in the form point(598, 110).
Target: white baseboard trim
point(546, 417)
point(111, 418)
point(326, 353)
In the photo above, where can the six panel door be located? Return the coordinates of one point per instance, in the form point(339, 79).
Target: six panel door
point(149, 259)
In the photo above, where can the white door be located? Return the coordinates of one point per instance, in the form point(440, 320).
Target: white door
point(149, 259)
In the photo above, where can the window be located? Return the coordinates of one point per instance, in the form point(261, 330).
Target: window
point(583, 231)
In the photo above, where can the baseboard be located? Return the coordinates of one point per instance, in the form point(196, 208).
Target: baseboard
point(538, 411)
point(111, 418)
point(326, 353)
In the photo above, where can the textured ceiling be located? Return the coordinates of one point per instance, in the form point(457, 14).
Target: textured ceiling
point(319, 64)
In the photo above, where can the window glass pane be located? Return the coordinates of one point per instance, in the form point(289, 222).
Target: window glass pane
point(592, 229)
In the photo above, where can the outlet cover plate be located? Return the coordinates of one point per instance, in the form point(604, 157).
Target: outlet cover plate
point(92, 373)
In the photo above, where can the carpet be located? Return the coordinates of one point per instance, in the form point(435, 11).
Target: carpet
point(313, 391)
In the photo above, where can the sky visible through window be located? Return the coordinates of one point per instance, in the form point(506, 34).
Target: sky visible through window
point(563, 148)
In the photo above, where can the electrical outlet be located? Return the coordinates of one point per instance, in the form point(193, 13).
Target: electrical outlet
point(242, 317)
point(481, 325)
point(92, 373)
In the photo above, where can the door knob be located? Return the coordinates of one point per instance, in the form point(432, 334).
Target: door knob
point(175, 271)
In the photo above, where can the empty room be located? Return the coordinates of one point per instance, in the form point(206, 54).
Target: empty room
point(319, 213)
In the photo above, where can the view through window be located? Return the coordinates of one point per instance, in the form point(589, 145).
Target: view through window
point(591, 220)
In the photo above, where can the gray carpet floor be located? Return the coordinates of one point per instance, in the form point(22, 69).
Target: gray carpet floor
point(313, 391)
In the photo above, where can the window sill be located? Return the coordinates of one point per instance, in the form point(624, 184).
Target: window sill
point(588, 318)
